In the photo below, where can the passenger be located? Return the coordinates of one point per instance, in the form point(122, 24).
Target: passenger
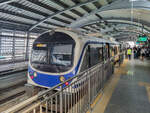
point(135, 52)
point(129, 52)
point(138, 52)
point(146, 52)
point(126, 55)
point(142, 53)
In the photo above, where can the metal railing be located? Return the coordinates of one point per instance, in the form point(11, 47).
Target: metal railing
point(75, 95)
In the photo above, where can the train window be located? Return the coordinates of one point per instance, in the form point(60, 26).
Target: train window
point(115, 50)
point(95, 54)
point(39, 56)
point(100, 49)
point(57, 52)
point(61, 54)
point(111, 51)
point(53, 58)
point(105, 52)
point(85, 62)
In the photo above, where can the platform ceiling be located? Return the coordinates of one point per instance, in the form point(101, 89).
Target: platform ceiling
point(122, 19)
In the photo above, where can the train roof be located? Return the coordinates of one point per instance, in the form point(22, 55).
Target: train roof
point(83, 37)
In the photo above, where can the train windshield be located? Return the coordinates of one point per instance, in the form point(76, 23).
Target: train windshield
point(61, 54)
point(39, 56)
point(54, 58)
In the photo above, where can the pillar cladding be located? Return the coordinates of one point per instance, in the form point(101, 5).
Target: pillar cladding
point(27, 46)
point(31, 90)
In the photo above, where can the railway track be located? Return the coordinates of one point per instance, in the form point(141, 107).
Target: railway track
point(11, 92)
point(12, 86)
point(5, 97)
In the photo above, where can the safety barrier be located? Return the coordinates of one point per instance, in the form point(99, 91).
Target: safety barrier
point(74, 95)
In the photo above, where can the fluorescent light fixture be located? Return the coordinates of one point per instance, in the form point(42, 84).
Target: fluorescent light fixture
point(136, 0)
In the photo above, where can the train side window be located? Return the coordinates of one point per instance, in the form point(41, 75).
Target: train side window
point(85, 62)
point(115, 50)
point(95, 54)
point(111, 51)
point(108, 51)
point(100, 50)
point(105, 52)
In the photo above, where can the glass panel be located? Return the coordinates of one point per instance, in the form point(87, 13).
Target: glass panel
point(61, 54)
point(55, 58)
point(39, 56)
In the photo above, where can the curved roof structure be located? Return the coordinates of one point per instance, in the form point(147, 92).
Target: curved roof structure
point(113, 17)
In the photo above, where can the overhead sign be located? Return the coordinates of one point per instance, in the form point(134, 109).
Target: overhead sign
point(142, 39)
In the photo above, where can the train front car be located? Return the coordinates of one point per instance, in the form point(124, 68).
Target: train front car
point(52, 59)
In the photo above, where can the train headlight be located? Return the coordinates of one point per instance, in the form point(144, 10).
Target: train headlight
point(35, 74)
point(31, 75)
point(62, 78)
point(67, 83)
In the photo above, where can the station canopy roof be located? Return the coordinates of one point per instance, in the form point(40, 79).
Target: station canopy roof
point(121, 19)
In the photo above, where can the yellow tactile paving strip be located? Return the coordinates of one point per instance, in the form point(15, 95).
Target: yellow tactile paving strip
point(147, 86)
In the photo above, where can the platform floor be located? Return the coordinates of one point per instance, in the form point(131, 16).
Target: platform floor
point(128, 91)
point(5, 67)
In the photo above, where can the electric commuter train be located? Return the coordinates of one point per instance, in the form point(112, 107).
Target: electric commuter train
point(59, 55)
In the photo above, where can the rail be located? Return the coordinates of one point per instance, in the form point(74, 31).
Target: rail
point(74, 95)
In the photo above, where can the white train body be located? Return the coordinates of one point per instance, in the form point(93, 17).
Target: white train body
point(59, 55)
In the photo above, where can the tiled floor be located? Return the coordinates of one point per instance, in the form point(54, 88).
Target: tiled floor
point(130, 92)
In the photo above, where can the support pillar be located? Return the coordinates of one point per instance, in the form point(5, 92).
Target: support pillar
point(27, 46)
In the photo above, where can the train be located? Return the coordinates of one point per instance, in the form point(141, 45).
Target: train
point(61, 54)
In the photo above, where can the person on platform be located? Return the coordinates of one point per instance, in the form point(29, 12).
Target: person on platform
point(138, 52)
point(135, 52)
point(129, 52)
point(142, 53)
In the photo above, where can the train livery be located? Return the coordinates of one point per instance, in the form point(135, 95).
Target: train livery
point(61, 54)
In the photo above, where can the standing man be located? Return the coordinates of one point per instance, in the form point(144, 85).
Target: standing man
point(129, 52)
point(142, 53)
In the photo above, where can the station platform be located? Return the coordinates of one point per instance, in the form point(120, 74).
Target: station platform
point(128, 91)
point(13, 66)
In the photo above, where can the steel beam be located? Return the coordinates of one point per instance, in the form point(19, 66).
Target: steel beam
point(60, 12)
point(117, 20)
point(2, 2)
point(115, 5)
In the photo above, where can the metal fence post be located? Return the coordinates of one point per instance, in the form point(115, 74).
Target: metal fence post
point(61, 99)
point(103, 72)
point(89, 91)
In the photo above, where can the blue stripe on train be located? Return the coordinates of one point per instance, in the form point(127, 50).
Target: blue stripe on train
point(48, 80)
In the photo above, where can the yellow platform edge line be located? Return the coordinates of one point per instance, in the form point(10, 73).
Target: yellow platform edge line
point(95, 101)
point(148, 92)
point(147, 86)
point(108, 91)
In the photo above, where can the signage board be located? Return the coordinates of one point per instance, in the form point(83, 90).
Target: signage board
point(142, 39)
